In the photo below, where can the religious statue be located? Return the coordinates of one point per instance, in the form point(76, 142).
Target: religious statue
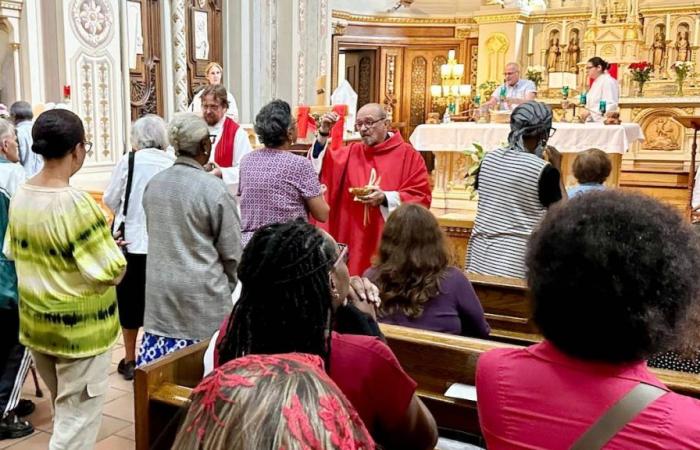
point(553, 55)
point(682, 46)
point(658, 51)
point(573, 53)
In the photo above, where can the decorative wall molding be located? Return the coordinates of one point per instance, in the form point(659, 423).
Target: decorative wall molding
point(93, 22)
point(301, 53)
point(359, 18)
point(179, 54)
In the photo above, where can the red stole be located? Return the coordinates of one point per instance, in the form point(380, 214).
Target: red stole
point(223, 154)
point(401, 169)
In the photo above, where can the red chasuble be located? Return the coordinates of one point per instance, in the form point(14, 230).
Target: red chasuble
point(223, 154)
point(401, 169)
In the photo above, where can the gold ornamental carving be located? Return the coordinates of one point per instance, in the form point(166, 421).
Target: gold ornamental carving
point(496, 48)
point(662, 133)
point(339, 28)
point(419, 69)
point(500, 18)
point(360, 18)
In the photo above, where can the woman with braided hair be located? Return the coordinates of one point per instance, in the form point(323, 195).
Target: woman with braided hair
point(293, 277)
point(516, 185)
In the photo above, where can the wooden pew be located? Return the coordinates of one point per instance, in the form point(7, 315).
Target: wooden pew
point(161, 392)
point(436, 361)
point(506, 308)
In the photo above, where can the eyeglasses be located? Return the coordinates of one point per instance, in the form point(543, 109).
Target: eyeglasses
point(367, 123)
point(589, 67)
point(552, 131)
point(88, 146)
point(343, 254)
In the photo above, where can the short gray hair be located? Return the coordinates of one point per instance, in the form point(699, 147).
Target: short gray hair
point(6, 128)
point(149, 132)
point(186, 132)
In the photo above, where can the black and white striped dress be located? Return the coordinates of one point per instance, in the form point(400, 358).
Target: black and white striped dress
point(509, 209)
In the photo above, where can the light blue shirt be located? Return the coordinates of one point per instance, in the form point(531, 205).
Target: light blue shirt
point(518, 90)
point(31, 162)
point(583, 188)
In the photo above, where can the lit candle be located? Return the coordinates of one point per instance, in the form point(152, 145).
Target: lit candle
point(445, 70)
point(454, 90)
point(451, 55)
point(435, 90)
point(465, 90)
point(668, 27)
point(458, 71)
point(531, 42)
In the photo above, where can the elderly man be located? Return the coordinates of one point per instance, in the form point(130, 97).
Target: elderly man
point(357, 219)
point(516, 89)
point(229, 141)
point(22, 115)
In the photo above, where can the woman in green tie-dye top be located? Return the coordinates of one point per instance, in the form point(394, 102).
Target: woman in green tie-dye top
point(67, 265)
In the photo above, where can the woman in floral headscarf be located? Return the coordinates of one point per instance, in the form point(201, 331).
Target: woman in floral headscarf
point(516, 185)
point(289, 398)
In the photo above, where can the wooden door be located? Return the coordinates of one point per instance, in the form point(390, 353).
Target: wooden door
point(204, 39)
point(421, 69)
point(144, 54)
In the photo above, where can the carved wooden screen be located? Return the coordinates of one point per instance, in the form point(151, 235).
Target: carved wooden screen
point(204, 39)
point(144, 54)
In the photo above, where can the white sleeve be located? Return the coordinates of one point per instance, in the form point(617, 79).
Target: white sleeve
point(611, 95)
point(112, 196)
point(241, 147)
point(393, 201)
point(196, 105)
point(317, 162)
point(232, 107)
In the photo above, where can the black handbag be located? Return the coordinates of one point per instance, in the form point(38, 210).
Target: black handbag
point(129, 179)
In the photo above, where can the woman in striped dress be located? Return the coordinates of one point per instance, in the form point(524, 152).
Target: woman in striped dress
point(516, 185)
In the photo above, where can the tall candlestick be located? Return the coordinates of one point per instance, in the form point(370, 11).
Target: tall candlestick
point(668, 27)
point(531, 42)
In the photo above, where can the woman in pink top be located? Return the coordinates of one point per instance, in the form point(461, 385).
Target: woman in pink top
point(613, 277)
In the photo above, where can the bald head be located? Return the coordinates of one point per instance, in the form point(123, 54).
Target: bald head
point(512, 73)
point(372, 124)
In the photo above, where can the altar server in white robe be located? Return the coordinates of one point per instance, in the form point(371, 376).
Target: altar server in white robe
point(229, 140)
point(604, 87)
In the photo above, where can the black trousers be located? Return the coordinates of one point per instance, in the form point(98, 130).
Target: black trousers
point(15, 361)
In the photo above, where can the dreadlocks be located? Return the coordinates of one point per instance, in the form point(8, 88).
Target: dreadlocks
point(285, 303)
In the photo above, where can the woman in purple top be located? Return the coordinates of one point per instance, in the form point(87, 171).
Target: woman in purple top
point(275, 184)
point(418, 287)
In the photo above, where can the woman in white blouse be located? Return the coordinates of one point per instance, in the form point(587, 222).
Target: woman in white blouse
point(604, 87)
point(214, 73)
point(149, 140)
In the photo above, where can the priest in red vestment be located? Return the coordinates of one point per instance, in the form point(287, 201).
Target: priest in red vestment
point(229, 141)
point(389, 167)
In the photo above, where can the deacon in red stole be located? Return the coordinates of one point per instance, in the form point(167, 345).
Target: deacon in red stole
point(229, 141)
point(390, 169)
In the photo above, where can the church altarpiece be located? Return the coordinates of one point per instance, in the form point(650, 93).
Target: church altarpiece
point(144, 54)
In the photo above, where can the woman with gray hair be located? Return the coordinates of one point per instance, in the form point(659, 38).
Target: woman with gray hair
point(149, 156)
point(516, 185)
point(194, 246)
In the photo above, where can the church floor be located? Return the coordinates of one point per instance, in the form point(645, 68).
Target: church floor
point(117, 431)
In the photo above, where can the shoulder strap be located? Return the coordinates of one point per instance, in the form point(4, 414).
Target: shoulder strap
point(617, 416)
point(129, 179)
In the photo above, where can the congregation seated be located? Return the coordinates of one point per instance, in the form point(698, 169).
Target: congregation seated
point(293, 277)
point(418, 287)
point(291, 399)
point(591, 168)
point(516, 185)
point(613, 278)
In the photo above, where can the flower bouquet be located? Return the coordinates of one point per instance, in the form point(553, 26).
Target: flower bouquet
point(535, 74)
point(682, 69)
point(475, 155)
point(641, 72)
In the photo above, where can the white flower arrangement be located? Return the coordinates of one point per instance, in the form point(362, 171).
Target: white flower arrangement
point(535, 69)
point(683, 68)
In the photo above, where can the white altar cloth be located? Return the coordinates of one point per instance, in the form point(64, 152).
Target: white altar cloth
point(569, 137)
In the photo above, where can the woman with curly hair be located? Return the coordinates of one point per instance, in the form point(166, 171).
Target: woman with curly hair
point(290, 398)
point(417, 285)
point(275, 184)
point(613, 277)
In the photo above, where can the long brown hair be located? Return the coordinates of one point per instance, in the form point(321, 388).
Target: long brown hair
point(411, 261)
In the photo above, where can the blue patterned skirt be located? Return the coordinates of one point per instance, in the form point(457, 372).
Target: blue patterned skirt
point(154, 347)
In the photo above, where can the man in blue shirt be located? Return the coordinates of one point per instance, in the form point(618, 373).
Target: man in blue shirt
point(516, 90)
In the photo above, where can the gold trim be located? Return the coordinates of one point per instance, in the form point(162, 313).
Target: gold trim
point(360, 18)
point(501, 18)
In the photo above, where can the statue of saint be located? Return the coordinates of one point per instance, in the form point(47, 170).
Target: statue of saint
point(573, 53)
point(553, 55)
point(682, 46)
point(658, 51)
